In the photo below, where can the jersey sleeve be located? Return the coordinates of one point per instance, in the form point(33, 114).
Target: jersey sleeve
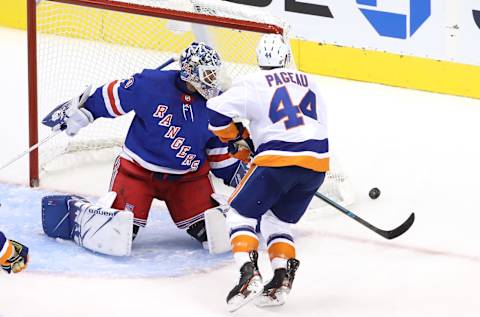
point(115, 98)
point(6, 248)
point(221, 163)
point(222, 109)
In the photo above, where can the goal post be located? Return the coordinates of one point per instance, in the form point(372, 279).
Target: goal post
point(32, 92)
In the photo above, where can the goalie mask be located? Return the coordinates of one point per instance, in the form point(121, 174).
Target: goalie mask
point(200, 66)
point(273, 52)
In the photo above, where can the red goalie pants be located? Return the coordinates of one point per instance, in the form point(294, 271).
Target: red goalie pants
point(186, 196)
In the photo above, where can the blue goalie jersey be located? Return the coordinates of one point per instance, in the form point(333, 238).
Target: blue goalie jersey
point(169, 132)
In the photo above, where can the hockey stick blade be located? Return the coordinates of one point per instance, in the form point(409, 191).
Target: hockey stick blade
point(398, 231)
point(392, 234)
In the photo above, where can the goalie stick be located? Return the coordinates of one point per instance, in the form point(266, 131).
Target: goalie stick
point(32, 148)
point(391, 234)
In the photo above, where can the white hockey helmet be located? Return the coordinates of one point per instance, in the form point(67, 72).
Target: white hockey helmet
point(272, 51)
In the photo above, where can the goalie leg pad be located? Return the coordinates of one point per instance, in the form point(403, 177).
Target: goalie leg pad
point(218, 237)
point(103, 230)
point(56, 219)
point(94, 227)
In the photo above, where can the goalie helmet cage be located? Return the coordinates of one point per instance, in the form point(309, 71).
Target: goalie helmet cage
point(73, 43)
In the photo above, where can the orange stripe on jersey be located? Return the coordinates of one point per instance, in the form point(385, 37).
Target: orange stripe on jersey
point(244, 243)
point(310, 162)
point(227, 134)
point(112, 98)
point(281, 250)
point(8, 254)
point(242, 183)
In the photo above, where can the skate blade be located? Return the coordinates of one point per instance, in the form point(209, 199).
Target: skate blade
point(255, 288)
point(268, 301)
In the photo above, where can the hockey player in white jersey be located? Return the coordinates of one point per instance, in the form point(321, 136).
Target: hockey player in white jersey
point(288, 127)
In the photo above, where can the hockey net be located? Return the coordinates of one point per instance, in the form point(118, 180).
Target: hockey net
point(81, 42)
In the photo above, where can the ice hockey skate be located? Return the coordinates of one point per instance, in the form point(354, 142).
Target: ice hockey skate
point(275, 292)
point(249, 286)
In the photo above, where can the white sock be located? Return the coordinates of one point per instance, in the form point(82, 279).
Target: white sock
point(241, 258)
point(279, 263)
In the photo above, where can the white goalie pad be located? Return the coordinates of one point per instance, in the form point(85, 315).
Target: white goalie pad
point(103, 230)
point(218, 238)
point(106, 201)
point(221, 199)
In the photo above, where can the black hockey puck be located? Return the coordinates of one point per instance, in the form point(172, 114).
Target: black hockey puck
point(374, 193)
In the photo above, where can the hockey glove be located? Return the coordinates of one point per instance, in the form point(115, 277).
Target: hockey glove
point(18, 261)
point(241, 147)
point(77, 119)
point(70, 116)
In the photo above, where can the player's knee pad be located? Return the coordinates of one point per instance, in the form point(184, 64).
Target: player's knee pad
point(271, 228)
point(279, 239)
point(198, 231)
point(236, 220)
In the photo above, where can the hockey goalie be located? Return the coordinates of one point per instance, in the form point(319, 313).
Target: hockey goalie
point(168, 155)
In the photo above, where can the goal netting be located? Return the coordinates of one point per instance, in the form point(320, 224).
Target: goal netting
point(81, 42)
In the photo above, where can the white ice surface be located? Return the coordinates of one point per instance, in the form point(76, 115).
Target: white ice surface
point(419, 148)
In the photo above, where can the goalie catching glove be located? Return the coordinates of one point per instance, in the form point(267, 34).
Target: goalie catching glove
point(241, 147)
point(70, 116)
point(19, 259)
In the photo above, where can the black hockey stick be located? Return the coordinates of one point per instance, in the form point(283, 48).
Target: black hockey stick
point(174, 58)
point(392, 234)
